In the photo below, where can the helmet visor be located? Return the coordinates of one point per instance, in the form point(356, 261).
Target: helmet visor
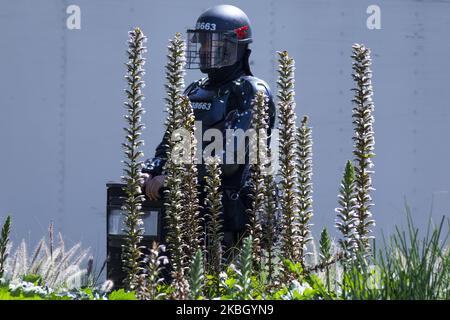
point(210, 49)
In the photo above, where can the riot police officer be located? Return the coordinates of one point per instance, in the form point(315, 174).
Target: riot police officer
point(219, 47)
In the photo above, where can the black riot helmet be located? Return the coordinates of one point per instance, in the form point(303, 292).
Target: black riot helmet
point(220, 39)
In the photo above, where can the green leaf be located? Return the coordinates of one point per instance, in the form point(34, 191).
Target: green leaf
point(122, 295)
point(230, 282)
point(34, 279)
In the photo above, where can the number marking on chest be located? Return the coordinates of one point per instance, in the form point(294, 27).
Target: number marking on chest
point(201, 105)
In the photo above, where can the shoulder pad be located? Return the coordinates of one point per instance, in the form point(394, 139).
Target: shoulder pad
point(194, 85)
point(246, 87)
point(190, 87)
point(202, 82)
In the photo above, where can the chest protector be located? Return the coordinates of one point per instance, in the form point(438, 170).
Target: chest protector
point(210, 105)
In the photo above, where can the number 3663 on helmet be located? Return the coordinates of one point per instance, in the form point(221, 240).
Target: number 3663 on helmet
point(218, 34)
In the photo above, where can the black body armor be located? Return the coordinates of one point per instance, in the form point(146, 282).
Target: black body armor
point(227, 106)
point(219, 47)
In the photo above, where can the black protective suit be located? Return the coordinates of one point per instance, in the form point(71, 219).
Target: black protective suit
point(223, 101)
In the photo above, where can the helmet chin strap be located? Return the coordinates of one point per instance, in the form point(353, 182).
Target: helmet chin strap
point(219, 76)
point(247, 62)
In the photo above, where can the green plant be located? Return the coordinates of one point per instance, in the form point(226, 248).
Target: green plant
point(304, 171)
point(269, 223)
point(245, 271)
point(415, 268)
point(173, 196)
point(155, 264)
point(237, 283)
point(22, 292)
point(4, 240)
point(287, 172)
point(189, 184)
point(325, 254)
point(60, 271)
point(213, 204)
point(301, 286)
point(406, 268)
point(360, 279)
point(346, 217)
point(197, 277)
point(132, 250)
point(121, 294)
point(94, 272)
point(257, 146)
point(364, 141)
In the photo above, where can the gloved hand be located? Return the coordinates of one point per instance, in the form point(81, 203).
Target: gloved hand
point(152, 185)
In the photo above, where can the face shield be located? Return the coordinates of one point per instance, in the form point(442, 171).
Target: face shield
point(210, 49)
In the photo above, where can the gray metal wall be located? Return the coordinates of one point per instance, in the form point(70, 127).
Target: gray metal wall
point(61, 95)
